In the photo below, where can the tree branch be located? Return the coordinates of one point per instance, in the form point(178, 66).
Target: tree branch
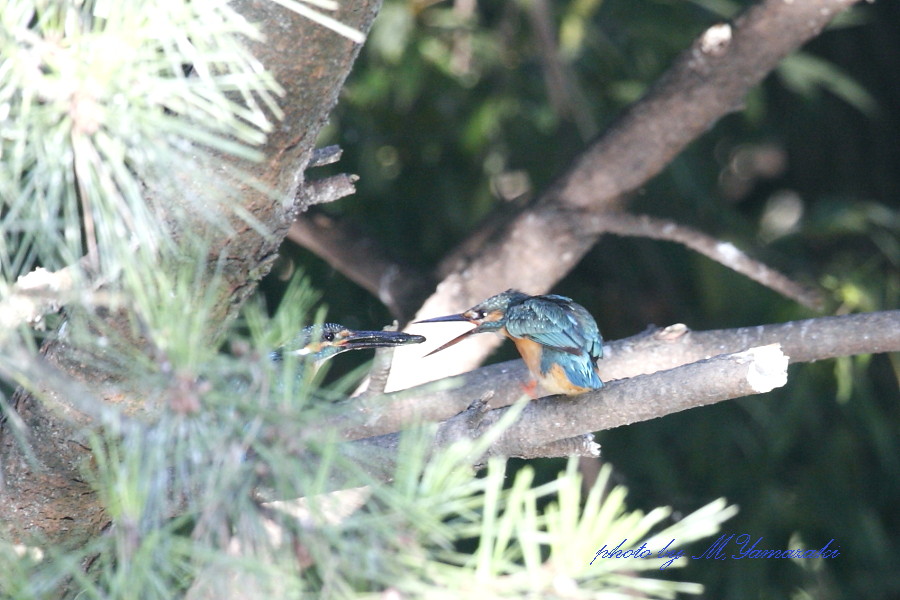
point(363, 260)
point(720, 251)
point(557, 419)
point(329, 189)
point(649, 352)
point(659, 372)
point(579, 445)
point(41, 291)
point(538, 246)
point(645, 393)
point(326, 155)
point(622, 402)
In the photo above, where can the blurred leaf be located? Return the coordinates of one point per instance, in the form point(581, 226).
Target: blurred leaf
point(806, 74)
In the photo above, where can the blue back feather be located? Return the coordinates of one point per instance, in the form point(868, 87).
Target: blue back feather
point(566, 330)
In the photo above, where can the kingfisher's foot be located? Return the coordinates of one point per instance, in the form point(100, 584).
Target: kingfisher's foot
point(530, 389)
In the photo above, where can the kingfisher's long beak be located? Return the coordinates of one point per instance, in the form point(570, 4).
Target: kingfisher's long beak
point(458, 317)
point(455, 340)
point(459, 338)
point(449, 318)
point(357, 340)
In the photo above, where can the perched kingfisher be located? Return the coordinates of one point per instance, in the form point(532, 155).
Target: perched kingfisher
point(557, 338)
point(320, 342)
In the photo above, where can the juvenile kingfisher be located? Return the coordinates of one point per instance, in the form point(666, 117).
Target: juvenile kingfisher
point(320, 342)
point(557, 338)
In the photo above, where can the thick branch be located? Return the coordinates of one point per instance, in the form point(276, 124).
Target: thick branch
point(310, 63)
point(556, 419)
point(41, 291)
point(648, 352)
point(627, 401)
point(659, 372)
point(579, 445)
point(540, 245)
point(699, 382)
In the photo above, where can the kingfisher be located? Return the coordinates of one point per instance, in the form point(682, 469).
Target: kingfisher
point(557, 337)
point(320, 342)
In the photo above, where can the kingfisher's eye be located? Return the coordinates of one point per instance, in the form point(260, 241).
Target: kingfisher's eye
point(328, 336)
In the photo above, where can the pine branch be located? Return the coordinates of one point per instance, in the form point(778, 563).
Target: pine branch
point(326, 155)
point(538, 246)
point(38, 293)
point(329, 189)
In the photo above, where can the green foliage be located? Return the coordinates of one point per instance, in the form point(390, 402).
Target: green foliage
point(403, 538)
point(807, 74)
point(98, 98)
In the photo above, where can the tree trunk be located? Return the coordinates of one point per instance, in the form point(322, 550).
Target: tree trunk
point(43, 492)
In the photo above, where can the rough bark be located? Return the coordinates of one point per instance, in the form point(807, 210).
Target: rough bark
point(656, 373)
point(649, 352)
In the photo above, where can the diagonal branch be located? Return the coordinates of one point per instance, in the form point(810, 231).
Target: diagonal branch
point(363, 260)
point(538, 246)
point(720, 251)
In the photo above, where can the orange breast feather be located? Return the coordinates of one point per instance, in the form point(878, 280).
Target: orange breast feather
point(557, 382)
point(531, 354)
